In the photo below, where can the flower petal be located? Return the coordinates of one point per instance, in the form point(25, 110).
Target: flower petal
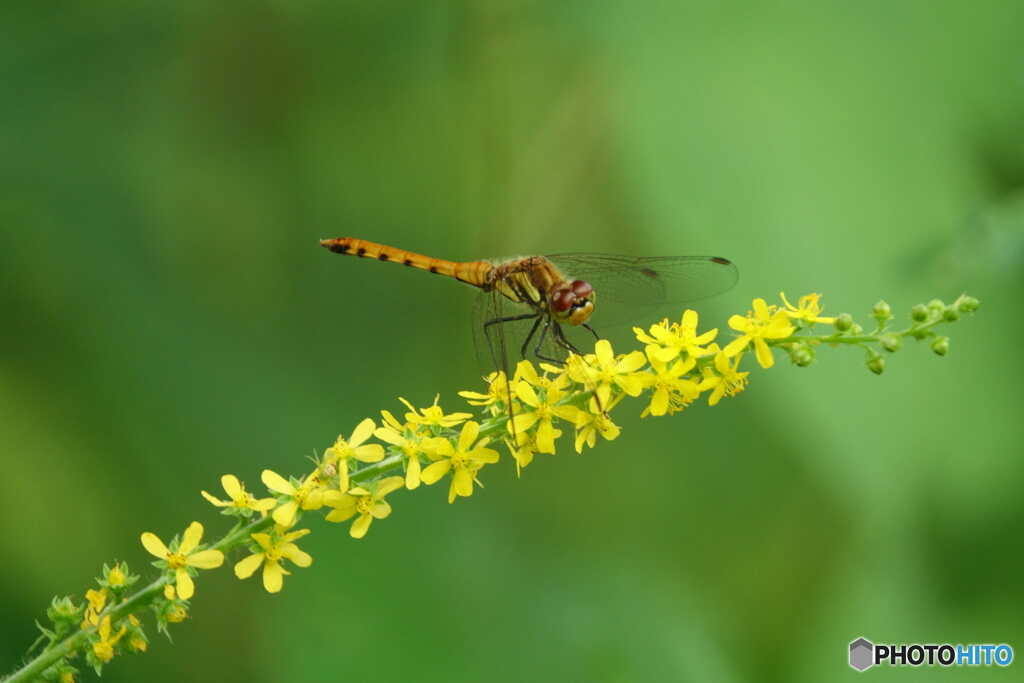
point(360, 526)
point(468, 435)
point(299, 558)
point(381, 509)
point(659, 402)
point(369, 453)
point(764, 354)
point(154, 545)
point(389, 435)
point(344, 509)
point(205, 559)
point(275, 482)
point(232, 486)
point(462, 482)
point(435, 471)
point(273, 577)
point(362, 432)
point(388, 485)
point(285, 514)
point(736, 345)
point(526, 394)
point(186, 589)
point(412, 473)
point(193, 534)
point(215, 501)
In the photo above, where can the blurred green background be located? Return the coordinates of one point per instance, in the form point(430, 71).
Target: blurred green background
point(167, 170)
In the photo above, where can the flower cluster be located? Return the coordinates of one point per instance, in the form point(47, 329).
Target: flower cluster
point(526, 414)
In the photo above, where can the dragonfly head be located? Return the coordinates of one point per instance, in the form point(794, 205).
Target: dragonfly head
point(572, 302)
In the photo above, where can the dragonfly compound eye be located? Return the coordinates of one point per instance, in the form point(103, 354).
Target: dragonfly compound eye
point(563, 300)
point(581, 288)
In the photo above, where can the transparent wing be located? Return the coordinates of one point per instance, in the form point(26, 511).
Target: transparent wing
point(625, 287)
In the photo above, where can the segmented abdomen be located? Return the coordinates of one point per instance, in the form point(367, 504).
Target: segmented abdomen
point(471, 272)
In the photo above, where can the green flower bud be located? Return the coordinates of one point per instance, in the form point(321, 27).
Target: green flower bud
point(936, 307)
point(967, 304)
point(890, 342)
point(919, 313)
point(876, 364)
point(951, 314)
point(940, 345)
point(844, 321)
point(882, 312)
point(802, 355)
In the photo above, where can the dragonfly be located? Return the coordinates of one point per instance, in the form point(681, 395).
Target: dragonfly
point(539, 304)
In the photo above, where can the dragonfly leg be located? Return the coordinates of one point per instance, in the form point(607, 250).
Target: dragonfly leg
point(559, 339)
point(540, 342)
point(500, 360)
point(526, 342)
point(565, 343)
point(592, 331)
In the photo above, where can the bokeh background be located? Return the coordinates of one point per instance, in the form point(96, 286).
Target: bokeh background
point(166, 170)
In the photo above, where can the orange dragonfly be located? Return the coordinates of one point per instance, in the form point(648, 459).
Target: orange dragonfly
point(536, 303)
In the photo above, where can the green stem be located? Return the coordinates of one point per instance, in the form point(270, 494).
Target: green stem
point(841, 338)
point(129, 605)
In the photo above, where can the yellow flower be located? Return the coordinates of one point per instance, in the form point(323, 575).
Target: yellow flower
point(544, 409)
point(273, 550)
point(309, 495)
point(174, 613)
point(523, 453)
point(97, 600)
point(601, 370)
point(433, 416)
point(496, 398)
point(137, 638)
point(239, 499)
point(807, 308)
point(727, 381)
point(368, 504)
point(104, 647)
point(116, 577)
point(344, 450)
point(463, 460)
point(672, 391)
point(181, 557)
point(762, 323)
point(408, 440)
point(590, 423)
point(527, 373)
point(671, 341)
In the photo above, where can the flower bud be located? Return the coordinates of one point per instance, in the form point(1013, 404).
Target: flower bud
point(876, 364)
point(844, 321)
point(802, 355)
point(919, 313)
point(936, 307)
point(951, 314)
point(890, 342)
point(882, 312)
point(940, 345)
point(967, 304)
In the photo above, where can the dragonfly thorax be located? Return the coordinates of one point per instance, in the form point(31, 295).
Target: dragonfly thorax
point(571, 302)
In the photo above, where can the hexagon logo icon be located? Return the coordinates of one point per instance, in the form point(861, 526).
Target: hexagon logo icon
point(862, 653)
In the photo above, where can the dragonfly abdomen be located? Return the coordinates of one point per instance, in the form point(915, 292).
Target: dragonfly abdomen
point(471, 272)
